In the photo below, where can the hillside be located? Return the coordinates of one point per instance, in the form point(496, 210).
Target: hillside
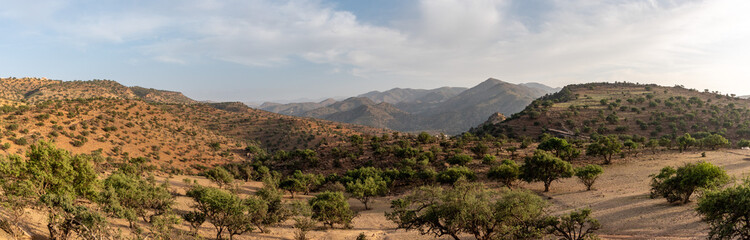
point(35, 90)
point(270, 130)
point(116, 129)
point(632, 109)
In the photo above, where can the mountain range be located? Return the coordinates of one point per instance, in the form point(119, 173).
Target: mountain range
point(450, 110)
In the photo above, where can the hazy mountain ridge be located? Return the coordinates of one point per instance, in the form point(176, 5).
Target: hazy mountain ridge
point(295, 109)
point(446, 109)
point(398, 95)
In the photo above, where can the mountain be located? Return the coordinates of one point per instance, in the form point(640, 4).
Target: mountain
point(398, 95)
point(630, 109)
point(449, 110)
point(363, 111)
point(472, 106)
point(295, 109)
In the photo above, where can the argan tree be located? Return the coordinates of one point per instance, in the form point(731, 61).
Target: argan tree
point(364, 190)
point(677, 185)
point(226, 211)
point(506, 173)
point(54, 180)
point(560, 147)
point(220, 176)
point(726, 212)
point(470, 208)
point(331, 208)
point(605, 146)
point(578, 225)
point(543, 167)
point(588, 174)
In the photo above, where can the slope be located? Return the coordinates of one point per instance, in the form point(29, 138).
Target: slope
point(116, 129)
point(632, 109)
point(270, 130)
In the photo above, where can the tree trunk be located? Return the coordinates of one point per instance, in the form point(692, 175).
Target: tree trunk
point(546, 186)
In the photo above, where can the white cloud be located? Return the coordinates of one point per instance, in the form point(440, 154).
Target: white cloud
point(449, 41)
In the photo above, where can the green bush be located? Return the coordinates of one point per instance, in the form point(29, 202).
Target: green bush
point(743, 143)
point(460, 159)
point(452, 174)
point(677, 185)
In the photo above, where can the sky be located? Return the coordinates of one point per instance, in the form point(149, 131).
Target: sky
point(270, 50)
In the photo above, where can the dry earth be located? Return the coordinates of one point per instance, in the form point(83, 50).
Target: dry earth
point(620, 201)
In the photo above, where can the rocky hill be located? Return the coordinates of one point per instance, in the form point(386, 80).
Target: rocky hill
point(625, 108)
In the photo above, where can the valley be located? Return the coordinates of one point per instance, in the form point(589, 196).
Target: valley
point(145, 163)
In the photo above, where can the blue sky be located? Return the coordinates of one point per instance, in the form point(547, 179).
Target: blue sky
point(259, 50)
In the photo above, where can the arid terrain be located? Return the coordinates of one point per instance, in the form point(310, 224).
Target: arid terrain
point(620, 201)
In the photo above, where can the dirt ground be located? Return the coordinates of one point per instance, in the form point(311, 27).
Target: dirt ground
point(620, 201)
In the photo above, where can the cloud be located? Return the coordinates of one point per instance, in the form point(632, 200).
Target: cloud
point(450, 41)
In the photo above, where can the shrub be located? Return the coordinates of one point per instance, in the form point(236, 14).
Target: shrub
point(331, 208)
point(452, 174)
point(743, 143)
point(460, 159)
point(679, 184)
point(488, 159)
point(545, 168)
point(506, 173)
point(425, 138)
point(726, 212)
point(578, 225)
point(470, 208)
point(588, 174)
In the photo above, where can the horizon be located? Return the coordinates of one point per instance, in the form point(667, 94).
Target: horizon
point(260, 50)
